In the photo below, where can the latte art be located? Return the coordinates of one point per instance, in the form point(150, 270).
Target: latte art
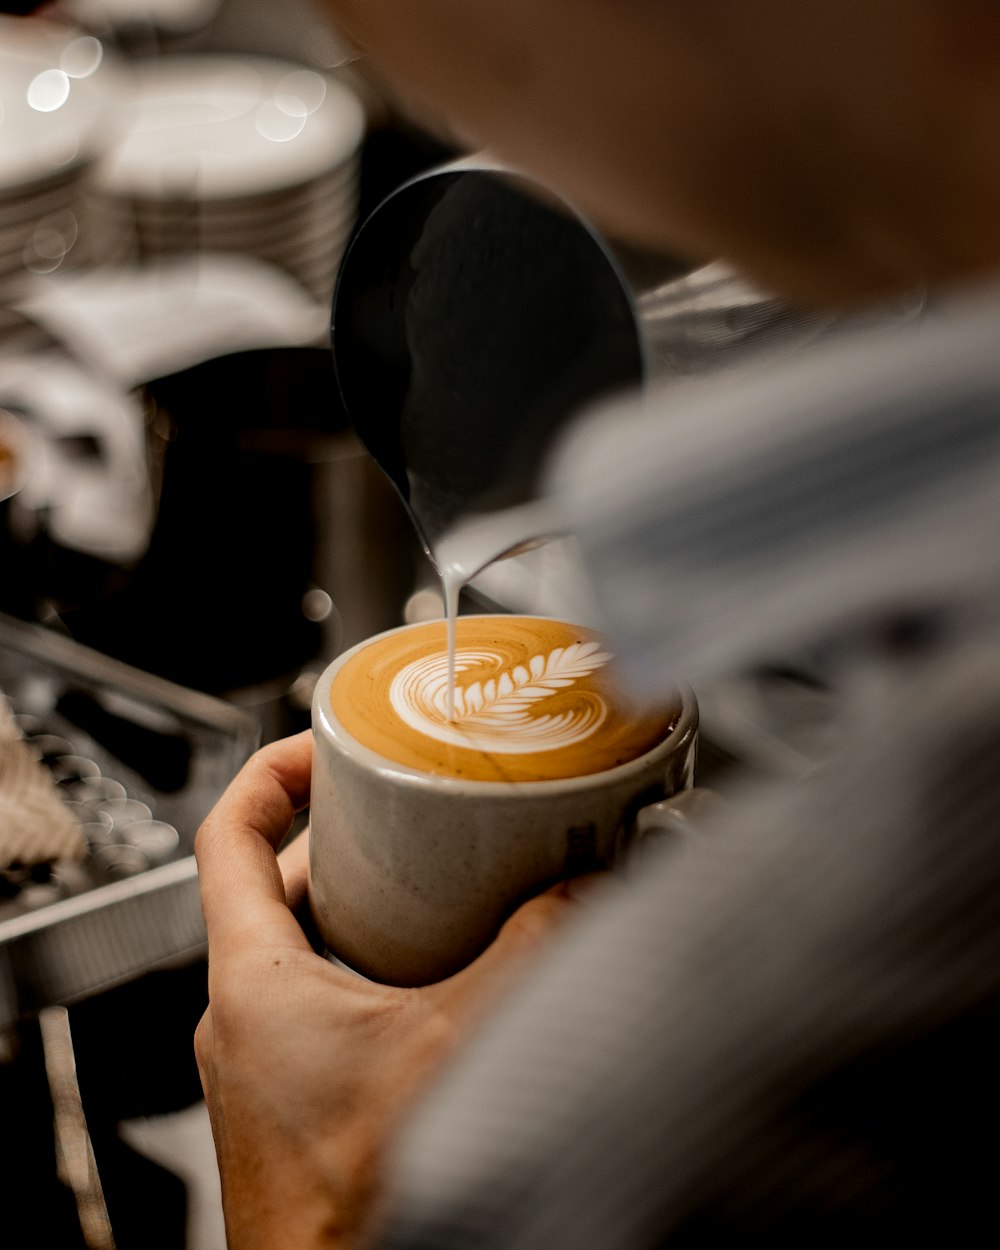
point(535, 700)
point(507, 712)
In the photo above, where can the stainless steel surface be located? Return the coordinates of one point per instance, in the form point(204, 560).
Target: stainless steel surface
point(470, 318)
point(475, 315)
point(115, 916)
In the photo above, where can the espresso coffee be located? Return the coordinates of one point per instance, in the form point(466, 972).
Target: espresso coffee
point(420, 846)
point(534, 700)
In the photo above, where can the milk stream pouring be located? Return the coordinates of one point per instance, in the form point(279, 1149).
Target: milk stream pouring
point(474, 544)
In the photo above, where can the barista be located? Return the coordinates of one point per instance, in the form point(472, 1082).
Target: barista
point(791, 1034)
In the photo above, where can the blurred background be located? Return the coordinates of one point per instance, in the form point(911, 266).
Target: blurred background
point(174, 204)
point(189, 532)
point(191, 528)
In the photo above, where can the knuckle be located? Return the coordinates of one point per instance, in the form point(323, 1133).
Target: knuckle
point(204, 1040)
point(204, 836)
point(537, 917)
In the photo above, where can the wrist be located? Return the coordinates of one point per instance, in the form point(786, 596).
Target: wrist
point(315, 1199)
point(293, 1222)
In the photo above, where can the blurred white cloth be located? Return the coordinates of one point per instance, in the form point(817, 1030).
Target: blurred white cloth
point(728, 521)
point(86, 470)
point(120, 329)
point(782, 1032)
point(136, 324)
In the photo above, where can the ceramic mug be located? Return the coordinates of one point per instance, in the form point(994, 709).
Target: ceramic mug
point(412, 874)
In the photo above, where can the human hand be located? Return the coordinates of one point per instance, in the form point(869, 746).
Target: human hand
point(308, 1069)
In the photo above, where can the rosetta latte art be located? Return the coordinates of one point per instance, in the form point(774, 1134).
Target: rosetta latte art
point(505, 712)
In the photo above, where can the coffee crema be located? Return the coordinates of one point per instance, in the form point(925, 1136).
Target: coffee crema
point(535, 700)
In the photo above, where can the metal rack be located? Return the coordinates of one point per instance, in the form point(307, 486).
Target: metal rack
point(96, 927)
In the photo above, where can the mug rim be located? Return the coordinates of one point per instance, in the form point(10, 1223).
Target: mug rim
point(323, 715)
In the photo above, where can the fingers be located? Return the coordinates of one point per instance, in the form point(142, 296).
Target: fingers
point(530, 926)
point(242, 893)
point(523, 934)
point(204, 1048)
point(294, 864)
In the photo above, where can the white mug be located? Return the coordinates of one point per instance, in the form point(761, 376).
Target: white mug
point(412, 874)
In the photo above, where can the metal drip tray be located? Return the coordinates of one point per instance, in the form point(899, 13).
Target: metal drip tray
point(149, 760)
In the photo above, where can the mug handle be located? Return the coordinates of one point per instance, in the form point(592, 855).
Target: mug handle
point(680, 818)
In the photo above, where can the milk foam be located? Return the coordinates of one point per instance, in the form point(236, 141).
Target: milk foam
point(504, 713)
point(536, 699)
point(473, 545)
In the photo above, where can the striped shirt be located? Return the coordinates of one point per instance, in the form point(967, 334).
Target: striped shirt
point(789, 1026)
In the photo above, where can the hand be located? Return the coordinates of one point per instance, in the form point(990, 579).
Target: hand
point(307, 1068)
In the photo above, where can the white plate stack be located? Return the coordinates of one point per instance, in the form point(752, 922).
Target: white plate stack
point(54, 118)
point(238, 154)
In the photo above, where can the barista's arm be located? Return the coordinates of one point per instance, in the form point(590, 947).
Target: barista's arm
point(307, 1069)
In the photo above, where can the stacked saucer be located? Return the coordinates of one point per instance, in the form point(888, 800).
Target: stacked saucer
point(53, 127)
point(239, 154)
